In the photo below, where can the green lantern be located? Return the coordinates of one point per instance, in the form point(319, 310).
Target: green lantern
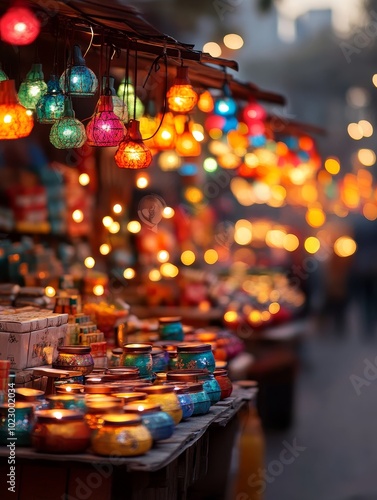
point(67, 132)
point(126, 92)
point(119, 107)
point(3, 75)
point(32, 88)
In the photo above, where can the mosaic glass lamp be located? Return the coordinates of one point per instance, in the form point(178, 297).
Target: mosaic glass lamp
point(19, 25)
point(15, 120)
point(33, 87)
point(78, 80)
point(67, 132)
point(182, 98)
point(105, 128)
point(50, 106)
point(132, 152)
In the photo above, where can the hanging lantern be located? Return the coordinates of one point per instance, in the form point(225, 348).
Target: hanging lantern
point(3, 75)
point(105, 128)
point(169, 160)
point(126, 92)
point(254, 112)
point(182, 98)
point(19, 26)
point(165, 136)
point(205, 102)
point(186, 144)
point(15, 120)
point(50, 106)
point(67, 132)
point(119, 107)
point(77, 79)
point(132, 152)
point(225, 106)
point(214, 122)
point(33, 87)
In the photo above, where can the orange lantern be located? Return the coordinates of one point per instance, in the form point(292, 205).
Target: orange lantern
point(132, 152)
point(15, 120)
point(186, 144)
point(182, 98)
point(166, 134)
point(205, 102)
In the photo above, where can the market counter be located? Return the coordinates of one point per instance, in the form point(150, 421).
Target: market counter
point(169, 471)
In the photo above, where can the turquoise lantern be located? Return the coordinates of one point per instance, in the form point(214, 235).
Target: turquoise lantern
point(50, 106)
point(77, 79)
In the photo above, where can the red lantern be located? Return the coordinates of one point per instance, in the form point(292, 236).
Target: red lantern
point(254, 112)
point(256, 128)
point(15, 120)
point(214, 121)
point(19, 25)
point(132, 152)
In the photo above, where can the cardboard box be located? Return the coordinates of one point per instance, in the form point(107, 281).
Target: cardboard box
point(31, 349)
point(27, 321)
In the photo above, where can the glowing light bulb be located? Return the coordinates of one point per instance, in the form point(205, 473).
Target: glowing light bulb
point(105, 249)
point(129, 273)
point(50, 291)
point(117, 208)
point(107, 221)
point(84, 179)
point(168, 212)
point(78, 216)
point(98, 290)
point(89, 262)
point(142, 182)
point(163, 256)
point(134, 226)
point(114, 227)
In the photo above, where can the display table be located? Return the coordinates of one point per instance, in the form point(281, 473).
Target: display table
point(168, 471)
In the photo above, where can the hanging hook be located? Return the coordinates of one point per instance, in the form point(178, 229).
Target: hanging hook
point(91, 41)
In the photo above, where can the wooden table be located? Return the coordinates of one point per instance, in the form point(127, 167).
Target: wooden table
point(172, 470)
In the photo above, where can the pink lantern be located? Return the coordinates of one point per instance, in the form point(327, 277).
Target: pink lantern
point(105, 128)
